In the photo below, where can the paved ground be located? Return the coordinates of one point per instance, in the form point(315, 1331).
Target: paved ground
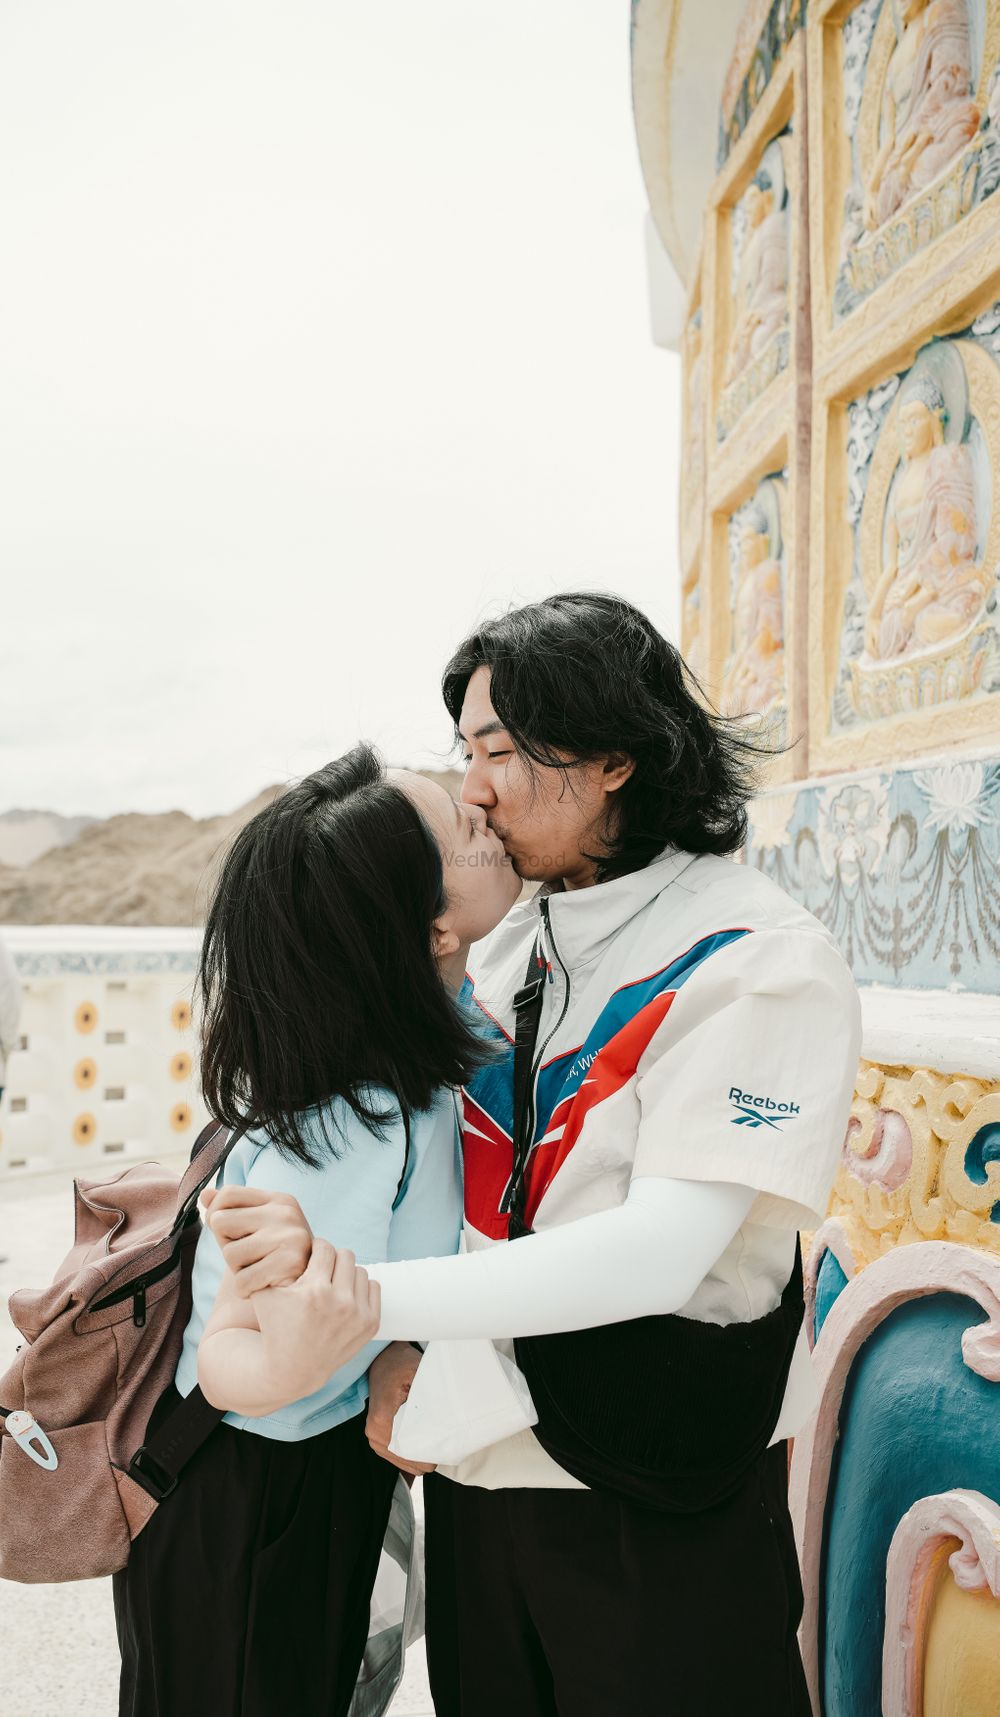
point(58, 1654)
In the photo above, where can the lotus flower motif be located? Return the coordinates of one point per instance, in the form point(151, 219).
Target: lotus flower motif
point(954, 794)
point(770, 818)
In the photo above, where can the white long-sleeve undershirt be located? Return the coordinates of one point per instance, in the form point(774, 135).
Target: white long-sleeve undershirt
point(646, 1256)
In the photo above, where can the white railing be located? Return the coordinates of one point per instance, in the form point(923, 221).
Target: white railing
point(107, 1060)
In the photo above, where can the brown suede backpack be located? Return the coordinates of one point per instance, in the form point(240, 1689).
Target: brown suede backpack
point(100, 1345)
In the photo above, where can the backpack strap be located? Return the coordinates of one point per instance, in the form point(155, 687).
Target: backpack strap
point(209, 1152)
point(157, 1465)
point(528, 1013)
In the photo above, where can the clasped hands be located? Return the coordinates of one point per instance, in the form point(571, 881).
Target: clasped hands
point(326, 1315)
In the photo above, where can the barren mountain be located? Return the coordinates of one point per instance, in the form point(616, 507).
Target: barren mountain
point(133, 869)
point(25, 835)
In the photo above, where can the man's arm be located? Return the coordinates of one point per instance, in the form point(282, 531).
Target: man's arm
point(390, 1378)
point(647, 1255)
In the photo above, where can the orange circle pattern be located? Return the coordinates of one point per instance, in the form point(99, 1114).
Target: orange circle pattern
point(180, 1016)
point(180, 1117)
point(85, 1074)
point(180, 1066)
point(85, 1018)
point(84, 1130)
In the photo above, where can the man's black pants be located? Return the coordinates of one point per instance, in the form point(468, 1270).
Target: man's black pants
point(565, 1603)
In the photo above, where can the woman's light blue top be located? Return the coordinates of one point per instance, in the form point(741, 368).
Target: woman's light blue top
point(361, 1199)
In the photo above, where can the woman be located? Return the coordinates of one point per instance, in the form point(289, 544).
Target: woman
point(334, 947)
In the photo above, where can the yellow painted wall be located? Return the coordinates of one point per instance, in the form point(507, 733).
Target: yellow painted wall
point(962, 1656)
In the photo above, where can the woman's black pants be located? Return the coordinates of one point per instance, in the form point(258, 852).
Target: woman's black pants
point(568, 1603)
point(247, 1594)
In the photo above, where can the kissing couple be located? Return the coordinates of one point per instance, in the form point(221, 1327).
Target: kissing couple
point(532, 1092)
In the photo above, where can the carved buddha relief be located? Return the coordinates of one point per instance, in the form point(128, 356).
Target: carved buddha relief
point(918, 626)
point(918, 79)
point(760, 294)
point(930, 587)
point(753, 680)
point(757, 346)
point(928, 114)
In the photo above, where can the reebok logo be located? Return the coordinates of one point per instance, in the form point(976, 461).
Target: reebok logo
point(759, 1111)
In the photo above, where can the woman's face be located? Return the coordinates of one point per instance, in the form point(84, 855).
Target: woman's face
point(480, 881)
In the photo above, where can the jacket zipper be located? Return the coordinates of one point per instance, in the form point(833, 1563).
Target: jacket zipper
point(536, 1066)
point(550, 939)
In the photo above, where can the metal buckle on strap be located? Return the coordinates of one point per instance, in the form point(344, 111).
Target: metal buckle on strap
point(29, 1436)
point(147, 1472)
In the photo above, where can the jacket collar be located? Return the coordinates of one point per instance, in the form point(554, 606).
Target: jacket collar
point(584, 920)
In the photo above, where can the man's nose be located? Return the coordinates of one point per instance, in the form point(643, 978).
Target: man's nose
point(476, 789)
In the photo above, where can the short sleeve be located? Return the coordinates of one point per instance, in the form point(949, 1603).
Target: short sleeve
point(750, 1076)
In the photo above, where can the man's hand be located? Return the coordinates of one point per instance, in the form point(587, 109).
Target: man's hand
point(389, 1381)
point(265, 1239)
point(314, 1326)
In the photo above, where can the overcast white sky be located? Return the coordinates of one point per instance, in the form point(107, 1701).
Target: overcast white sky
point(324, 334)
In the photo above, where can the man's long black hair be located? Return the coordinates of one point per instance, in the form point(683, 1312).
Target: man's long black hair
point(317, 974)
point(585, 674)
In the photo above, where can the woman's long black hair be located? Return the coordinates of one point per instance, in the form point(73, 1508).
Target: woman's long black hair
point(317, 975)
point(588, 674)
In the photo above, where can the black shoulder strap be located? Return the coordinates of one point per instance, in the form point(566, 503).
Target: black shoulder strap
point(210, 1150)
point(528, 1011)
point(158, 1463)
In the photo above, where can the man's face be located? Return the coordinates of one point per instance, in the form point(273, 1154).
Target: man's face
point(542, 822)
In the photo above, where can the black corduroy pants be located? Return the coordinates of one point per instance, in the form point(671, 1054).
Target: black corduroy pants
point(247, 1594)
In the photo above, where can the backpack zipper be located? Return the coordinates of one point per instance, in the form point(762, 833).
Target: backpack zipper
point(136, 1290)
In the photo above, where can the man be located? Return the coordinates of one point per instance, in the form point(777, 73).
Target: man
point(691, 1087)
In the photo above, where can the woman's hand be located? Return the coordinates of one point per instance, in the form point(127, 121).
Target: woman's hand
point(389, 1380)
point(265, 1239)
